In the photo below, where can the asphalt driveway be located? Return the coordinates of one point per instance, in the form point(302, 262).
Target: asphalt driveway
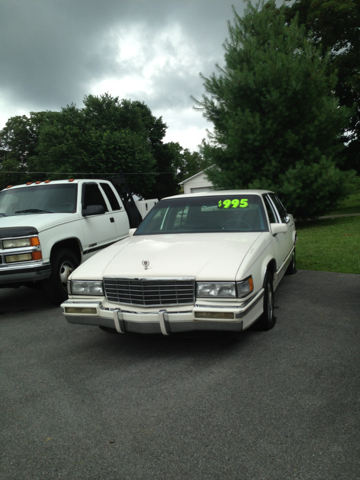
point(77, 403)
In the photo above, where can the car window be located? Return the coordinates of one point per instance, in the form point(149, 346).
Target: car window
point(280, 207)
point(110, 196)
point(93, 196)
point(226, 213)
point(270, 210)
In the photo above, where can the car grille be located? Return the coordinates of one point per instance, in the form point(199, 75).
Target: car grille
point(150, 293)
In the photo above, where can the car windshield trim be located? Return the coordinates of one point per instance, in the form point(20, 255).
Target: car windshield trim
point(221, 213)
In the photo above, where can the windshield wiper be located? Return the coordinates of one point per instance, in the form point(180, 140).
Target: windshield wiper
point(3, 214)
point(34, 210)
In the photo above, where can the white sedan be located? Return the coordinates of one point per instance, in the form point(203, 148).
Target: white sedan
point(207, 261)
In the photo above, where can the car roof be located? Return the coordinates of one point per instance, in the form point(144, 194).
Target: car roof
point(221, 192)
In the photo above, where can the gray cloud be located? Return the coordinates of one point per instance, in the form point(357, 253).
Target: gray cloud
point(52, 52)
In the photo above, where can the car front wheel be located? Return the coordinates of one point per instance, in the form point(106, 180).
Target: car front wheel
point(267, 320)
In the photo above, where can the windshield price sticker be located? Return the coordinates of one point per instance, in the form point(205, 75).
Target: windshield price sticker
point(233, 203)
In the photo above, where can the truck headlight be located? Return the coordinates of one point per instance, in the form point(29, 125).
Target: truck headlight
point(21, 242)
point(216, 289)
point(88, 287)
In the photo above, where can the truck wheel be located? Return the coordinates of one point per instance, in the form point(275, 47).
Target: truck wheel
point(63, 262)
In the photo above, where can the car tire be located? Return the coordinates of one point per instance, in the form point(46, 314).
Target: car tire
point(291, 269)
point(63, 262)
point(267, 320)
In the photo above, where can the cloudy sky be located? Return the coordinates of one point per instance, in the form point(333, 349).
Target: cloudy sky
point(54, 52)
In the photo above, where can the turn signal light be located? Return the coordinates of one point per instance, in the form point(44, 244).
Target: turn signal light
point(214, 315)
point(36, 256)
point(34, 241)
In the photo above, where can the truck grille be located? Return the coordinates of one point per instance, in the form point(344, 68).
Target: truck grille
point(150, 293)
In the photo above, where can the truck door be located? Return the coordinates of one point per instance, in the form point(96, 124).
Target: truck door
point(119, 214)
point(99, 229)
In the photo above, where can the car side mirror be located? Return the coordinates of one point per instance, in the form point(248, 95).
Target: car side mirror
point(93, 210)
point(278, 228)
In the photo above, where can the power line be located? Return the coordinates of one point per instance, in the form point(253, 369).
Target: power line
point(84, 173)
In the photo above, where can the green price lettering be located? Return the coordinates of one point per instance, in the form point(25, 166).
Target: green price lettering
point(233, 203)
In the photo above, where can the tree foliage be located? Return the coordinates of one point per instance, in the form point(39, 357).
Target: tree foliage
point(277, 123)
point(104, 137)
point(187, 163)
point(18, 143)
point(334, 27)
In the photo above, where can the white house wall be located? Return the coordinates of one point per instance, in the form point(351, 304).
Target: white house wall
point(197, 184)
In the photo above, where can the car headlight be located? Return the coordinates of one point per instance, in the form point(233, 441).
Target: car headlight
point(88, 287)
point(216, 289)
point(225, 289)
point(245, 287)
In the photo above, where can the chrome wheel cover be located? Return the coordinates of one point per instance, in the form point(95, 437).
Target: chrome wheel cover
point(65, 269)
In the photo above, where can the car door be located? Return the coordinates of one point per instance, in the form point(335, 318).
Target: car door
point(285, 218)
point(282, 242)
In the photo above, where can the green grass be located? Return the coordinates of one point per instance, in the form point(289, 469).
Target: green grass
point(350, 205)
point(330, 245)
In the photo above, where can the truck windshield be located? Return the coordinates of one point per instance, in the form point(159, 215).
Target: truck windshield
point(49, 198)
point(220, 213)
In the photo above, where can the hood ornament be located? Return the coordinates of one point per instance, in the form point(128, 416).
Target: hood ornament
point(146, 264)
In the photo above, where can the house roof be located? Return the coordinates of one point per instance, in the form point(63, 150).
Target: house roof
point(190, 178)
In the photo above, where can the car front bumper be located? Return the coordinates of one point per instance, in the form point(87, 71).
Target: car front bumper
point(165, 321)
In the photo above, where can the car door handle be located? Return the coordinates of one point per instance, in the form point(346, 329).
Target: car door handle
point(112, 220)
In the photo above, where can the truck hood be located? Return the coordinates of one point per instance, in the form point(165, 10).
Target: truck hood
point(40, 221)
point(215, 256)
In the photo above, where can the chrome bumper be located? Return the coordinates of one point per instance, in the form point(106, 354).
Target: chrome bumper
point(194, 317)
point(22, 273)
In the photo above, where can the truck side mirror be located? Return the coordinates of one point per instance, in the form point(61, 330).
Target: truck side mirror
point(92, 210)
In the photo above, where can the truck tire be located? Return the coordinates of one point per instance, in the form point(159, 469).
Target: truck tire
point(63, 262)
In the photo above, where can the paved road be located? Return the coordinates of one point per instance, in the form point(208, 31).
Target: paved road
point(77, 403)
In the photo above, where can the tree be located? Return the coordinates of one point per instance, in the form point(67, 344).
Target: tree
point(187, 163)
point(18, 142)
point(277, 123)
point(104, 137)
point(334, 27)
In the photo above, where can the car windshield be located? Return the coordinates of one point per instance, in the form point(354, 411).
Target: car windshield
point(220, 213)
point(49, 198)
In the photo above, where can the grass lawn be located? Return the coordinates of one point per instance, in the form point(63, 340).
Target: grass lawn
point(350, 205)
point(330, 245)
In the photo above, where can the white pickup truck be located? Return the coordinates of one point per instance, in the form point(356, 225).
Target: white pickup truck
point(49, 228)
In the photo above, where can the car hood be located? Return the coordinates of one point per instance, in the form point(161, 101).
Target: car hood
point(216, 256)
point(41, 221)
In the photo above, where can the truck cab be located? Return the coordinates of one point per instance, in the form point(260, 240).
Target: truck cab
point(49, 228)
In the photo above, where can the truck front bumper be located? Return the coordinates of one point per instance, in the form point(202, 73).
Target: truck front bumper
point(165, 321)
point(24, 273)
